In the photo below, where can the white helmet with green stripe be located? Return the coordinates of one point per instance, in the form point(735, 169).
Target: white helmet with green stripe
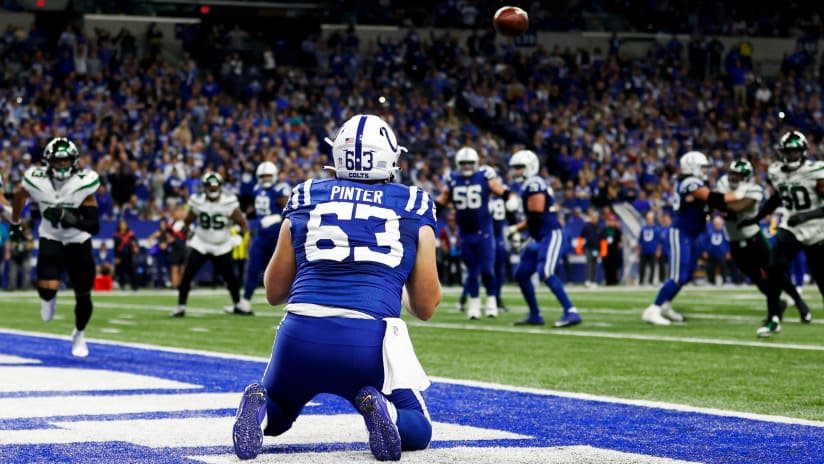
point(61, 156)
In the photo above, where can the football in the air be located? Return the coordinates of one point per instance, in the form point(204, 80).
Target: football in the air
point(510, 21)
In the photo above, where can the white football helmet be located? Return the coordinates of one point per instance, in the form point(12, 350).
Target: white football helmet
point(740, 171)
point(694, 163)
point(212, 183)
point(523, 164)
point(792, 149)
point(57, 151)
point(266, 168)
point(365, 148)
point(467, 161)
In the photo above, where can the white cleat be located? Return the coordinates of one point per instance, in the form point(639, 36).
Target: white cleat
point(669, 313)
point(653, 316)
point(79, 348)
point(47, 309)
point(491, 306)
point(473, 311)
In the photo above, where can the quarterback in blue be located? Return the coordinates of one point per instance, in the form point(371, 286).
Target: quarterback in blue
point(543, 253)
point(469, 190)
point(690, 207)
point(270, 199)
point(351, 252)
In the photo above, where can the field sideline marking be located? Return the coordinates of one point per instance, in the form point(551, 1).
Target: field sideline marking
point(619, 336)
point(574, 333)
point(474, 383)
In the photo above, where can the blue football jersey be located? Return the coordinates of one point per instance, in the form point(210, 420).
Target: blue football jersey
point(266, 203)
point(497, 208)
point(648, 239)
point(470, 195)
point(355, 243)
point(536, 185)
point(690, 218)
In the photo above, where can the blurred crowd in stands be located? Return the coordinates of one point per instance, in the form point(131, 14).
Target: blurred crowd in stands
point(608, 128)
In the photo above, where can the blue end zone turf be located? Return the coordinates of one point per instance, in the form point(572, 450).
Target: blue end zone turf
point(548, 420)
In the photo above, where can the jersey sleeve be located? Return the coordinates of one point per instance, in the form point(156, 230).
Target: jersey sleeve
point(817, 171)
point(87, 185)
point(32, 179)
point(421, 204)
point(488, 173)
point(533, 186)
point(752, 191)
point(690, 185)
point(283, 190)
point(300, 195)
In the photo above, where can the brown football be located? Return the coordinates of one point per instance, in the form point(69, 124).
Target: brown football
point(510, 21)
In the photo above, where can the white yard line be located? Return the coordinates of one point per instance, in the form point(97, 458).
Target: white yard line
point(494, 386)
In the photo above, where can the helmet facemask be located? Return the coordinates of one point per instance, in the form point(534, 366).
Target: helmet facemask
point(61, 156)
point(792, 150)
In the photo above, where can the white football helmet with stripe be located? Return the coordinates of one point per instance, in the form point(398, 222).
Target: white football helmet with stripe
point(524, 164)
point(266, 168)
point(694, 163)
point(365, 148)
point(467, 161)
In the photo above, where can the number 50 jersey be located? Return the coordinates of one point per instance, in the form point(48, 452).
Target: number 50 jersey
point(798, 194)
point(355, 243)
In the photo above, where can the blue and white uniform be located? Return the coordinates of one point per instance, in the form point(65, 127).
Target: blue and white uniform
point(497, 208)
point(355, 245)
point(543, 253)
point(689, 220)
point(266, 238)
point(470, 195)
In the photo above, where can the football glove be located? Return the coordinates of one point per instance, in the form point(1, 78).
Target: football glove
point(53, 215)
point(513, 203)
point(235, 240)
point(511, 231)
point(798, 218)
point(69, 218)
point(270, 220)
point(16, 232)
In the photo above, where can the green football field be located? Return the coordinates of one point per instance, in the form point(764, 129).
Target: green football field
point(714, 360)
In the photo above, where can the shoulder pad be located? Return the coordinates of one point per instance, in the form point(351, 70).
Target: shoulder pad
point(488, 172)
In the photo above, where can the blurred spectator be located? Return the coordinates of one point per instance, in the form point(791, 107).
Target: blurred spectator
point(20, 259)
point(649, 249)
point(663, 241)
point(613, 261)
point(104, 259)
point(716, 251)
point(592, 234)
point(161, 240)
point(450, 252)
point(125, 249)
point(5, 253)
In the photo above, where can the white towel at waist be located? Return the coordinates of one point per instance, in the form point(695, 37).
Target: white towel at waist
point(401, 368)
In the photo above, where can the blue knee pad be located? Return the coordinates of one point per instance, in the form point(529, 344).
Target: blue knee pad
point(415, 430)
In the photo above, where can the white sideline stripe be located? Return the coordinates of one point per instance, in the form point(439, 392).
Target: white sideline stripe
point(46, 379)
point(10, 359)
point(642, 403)
point(92, 405)
point(618, 336)
point(476, 455)
point(470, 383)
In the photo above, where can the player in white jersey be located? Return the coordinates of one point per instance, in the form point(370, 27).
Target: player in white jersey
point(215, 211)
point(65, 197)
point(748, 246)
point(798, 185)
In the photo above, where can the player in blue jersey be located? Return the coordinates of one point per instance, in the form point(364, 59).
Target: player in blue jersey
point(543, 254)
point(497, 207)
point(270, 199)
point(690, 202)
point(351, 251)
point(469, 190)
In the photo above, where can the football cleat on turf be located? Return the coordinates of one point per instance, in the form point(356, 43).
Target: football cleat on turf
point(179, 312)
point(247, 433)
point(531, 321)
point(770, 327)
point(653, 316)
point(474, 310)
point(669, 313)
point(236, 309)
point(47, 309)
point(501, 306)
point(804, 312)
point(491, 309)
point(79, 348)
point(384, 439)
point(569, 319)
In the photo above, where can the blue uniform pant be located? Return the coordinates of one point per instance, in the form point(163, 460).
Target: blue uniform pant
point(683, 262)
point(478, 253)
point(542, 257)
point(313, 355)
point(260, 252)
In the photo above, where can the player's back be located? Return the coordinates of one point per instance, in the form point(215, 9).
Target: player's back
point(470, 195)
point(355, 243)
point(536, 185)
point(689, 217)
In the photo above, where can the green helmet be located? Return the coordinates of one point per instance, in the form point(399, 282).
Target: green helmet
point(740, 171)
point(212, 184)
point(792, 149)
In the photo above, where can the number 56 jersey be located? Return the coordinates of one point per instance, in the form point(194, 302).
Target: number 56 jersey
point(798, 194)
point(355, 243)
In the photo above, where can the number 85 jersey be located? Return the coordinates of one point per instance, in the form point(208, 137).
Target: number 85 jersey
point(798, 194)
point(355, 243)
